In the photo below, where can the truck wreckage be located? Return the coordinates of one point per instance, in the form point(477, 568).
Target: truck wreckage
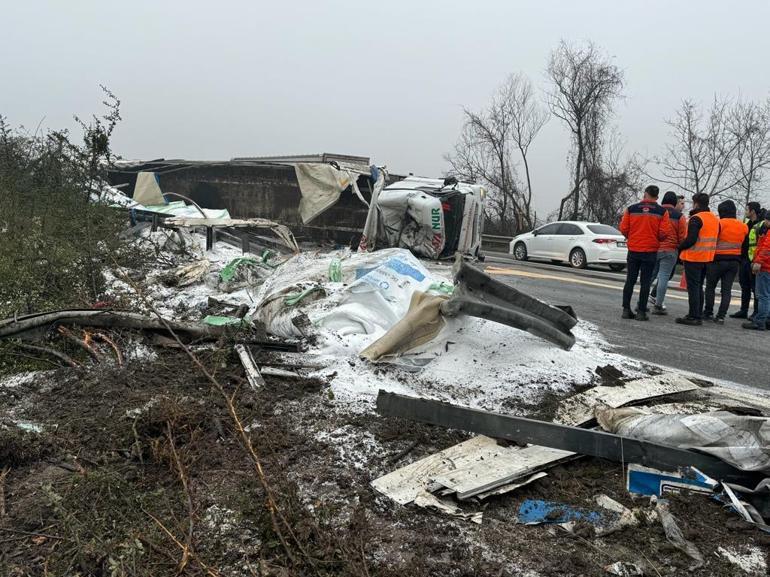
point(402, 397)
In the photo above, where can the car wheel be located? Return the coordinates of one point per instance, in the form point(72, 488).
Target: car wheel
point(577, 258)
point(520, 251)
point(617, 267)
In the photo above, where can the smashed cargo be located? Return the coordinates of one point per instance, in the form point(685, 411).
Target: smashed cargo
point(326, 197)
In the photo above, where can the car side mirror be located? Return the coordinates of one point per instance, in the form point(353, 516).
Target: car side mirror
point(535, 233)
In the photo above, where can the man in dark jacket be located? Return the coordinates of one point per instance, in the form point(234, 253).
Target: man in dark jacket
point(745, 276)
point(644, 224)
point(724, 268)
point(696, 251)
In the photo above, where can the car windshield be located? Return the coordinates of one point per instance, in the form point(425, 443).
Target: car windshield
point(604, 229)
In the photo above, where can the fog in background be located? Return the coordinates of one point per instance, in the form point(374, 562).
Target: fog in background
point(205, 80)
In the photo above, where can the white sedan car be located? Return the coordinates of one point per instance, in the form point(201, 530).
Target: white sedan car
point(579, 243)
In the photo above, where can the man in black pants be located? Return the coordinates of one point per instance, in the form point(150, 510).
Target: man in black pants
point(732, 233)
point(745, 276)
point(645, 224)
point(696, 251)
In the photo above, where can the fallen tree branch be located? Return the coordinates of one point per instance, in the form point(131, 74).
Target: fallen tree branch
point(209, 571)
point(187, 551)
point(54, 353)
point(105, 318)
point(3, 475)
point(70, 336)
point(107, 340)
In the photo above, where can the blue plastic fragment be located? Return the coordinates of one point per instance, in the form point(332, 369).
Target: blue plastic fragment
point(536, 511)
point(646, 481)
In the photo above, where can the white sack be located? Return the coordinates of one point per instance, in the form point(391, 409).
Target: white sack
point(740, 440)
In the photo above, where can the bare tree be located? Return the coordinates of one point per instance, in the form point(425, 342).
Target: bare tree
point(701, 156)
point(527, 119)
point(485, 149)
point(750, 123)
point(612, 184)
point(585, 86)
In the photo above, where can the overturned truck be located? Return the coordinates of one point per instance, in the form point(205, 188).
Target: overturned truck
point(337, 198)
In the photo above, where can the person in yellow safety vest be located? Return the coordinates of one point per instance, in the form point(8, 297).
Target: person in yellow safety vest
point(727, 260)
point(696, 251)
point(745, 276)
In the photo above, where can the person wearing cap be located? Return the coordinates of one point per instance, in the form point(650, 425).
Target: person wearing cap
point(696, 251)
point(761, 267)
point(727, 260)
point(645, 224)
point(667, 252)
point(754, 218)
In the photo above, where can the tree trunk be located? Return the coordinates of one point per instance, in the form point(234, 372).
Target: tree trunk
point(527, 204)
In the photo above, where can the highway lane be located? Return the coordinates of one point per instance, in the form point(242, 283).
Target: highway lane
point(725, 352)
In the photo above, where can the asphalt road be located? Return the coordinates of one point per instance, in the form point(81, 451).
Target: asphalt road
point(724, 352)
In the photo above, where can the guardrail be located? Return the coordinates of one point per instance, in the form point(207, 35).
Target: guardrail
point(495, 243)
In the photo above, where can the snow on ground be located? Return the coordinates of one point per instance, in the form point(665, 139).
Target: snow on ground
point(476, 363)
point(20, 379)
point(752, 561)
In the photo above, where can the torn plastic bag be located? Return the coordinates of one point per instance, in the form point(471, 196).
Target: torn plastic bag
point(743, 441)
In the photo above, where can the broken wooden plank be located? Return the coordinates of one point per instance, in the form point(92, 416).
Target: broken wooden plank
point(566, 438)
point(252, 370)
point(579, 409)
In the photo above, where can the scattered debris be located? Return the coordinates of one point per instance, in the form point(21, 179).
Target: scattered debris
point(647, 481)
point(535, 512)
point(579, 409)
point(252, 370)
point(675, 536)
point(475, 468)
point(751, 562)
point(557, 436)
point(625, 569)
point(741, 440)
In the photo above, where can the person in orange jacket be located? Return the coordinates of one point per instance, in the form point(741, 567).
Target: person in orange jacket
point(668, 252)
point(645, 224)
point(761, 267)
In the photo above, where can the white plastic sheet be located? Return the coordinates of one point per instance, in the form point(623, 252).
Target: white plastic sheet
point(743, 441)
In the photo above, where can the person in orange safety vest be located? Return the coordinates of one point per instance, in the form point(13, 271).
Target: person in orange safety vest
point(727, 260)
point(696, 252)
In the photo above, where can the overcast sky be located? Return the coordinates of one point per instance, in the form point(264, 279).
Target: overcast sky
point(213, 80)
